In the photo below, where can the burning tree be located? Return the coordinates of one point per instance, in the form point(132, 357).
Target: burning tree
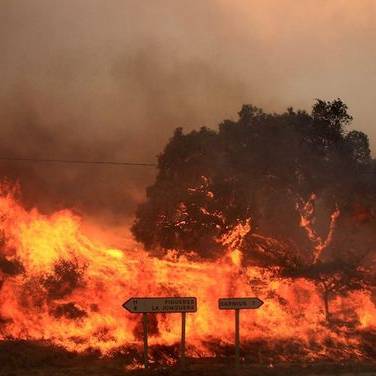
point(337, 278)
point(304, 183)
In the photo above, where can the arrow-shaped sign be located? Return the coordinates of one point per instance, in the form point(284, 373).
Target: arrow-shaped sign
point(239, 303)
point(161, 305)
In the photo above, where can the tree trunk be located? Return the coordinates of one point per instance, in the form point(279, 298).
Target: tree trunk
point(326, 305)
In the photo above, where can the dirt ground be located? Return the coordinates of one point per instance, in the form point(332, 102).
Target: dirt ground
point(22, 358)
point(116, 368)
point(205, 371)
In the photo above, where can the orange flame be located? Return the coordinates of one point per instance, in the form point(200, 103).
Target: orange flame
point(66, 288)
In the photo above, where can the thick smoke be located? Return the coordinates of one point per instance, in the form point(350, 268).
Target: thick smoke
point(97, 80)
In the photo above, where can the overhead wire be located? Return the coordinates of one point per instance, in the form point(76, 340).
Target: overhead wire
point(78, 161)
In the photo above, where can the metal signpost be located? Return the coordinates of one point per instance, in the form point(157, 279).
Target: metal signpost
point(237, 304)
point(162, 305)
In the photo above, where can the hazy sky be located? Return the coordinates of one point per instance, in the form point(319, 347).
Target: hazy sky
point(111, 79)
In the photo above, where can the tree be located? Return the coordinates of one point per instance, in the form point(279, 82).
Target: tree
point(304, 186)
point(248, 165)
point(301, 184)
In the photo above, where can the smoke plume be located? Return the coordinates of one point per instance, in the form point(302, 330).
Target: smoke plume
point(98, 80)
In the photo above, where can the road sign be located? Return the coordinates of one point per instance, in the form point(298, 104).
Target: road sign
point(239, 303)
point(161, 305)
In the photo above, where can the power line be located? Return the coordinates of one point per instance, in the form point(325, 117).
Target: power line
point(76, 161)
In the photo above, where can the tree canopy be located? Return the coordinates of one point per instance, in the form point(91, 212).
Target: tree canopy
point(262, 166)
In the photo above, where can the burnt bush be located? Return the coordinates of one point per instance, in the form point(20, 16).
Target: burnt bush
point(10, 267)
point(69, 311)
point(67, 276)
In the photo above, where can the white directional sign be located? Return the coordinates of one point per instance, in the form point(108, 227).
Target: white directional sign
point(161, 305)
point(236, 304)
point(239, 303)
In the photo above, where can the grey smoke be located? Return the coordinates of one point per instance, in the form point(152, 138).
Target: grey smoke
point(96, 79)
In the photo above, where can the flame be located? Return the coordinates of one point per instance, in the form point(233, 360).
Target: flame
point(59, 285)
point(307, 219)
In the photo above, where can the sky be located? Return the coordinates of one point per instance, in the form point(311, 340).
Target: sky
point(112, 79)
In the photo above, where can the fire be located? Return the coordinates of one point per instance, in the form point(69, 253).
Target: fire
point(59, 285)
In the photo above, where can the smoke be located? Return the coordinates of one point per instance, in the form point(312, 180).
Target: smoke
point(99, 80)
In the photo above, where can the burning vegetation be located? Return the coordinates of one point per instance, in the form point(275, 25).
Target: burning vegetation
point(281, 206)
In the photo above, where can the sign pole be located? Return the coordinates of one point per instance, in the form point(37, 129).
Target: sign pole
point(162, 305)
point(237, 304)
point(237, 338)
point(182, 342)
point(145, 325)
